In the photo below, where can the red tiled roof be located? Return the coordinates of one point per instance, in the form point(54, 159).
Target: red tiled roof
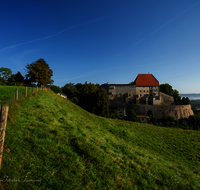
point(146, 80)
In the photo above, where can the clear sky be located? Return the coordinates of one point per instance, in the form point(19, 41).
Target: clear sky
point(103, 41)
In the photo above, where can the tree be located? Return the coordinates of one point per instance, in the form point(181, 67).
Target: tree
point(19, 77)
point(132, 116)
point(40, 72)
point(177, 97)
point(185, 101)
point(5, 73)
point(70, 90)
point(150, 114)
point(114, 114)
point(102, 103)
point(2, 81)
point(166, 88)
point(11, 80)
point(55, 88)
point(87, 96)
point(16, 80)
point(192, 120)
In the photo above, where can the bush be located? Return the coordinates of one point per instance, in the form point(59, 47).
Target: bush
point(150, 113)
point(114, 114)
point(170, 118)
point(184, 124)
point(75, 100)
point(192, 120)
point(195, 127)
point(132, 116)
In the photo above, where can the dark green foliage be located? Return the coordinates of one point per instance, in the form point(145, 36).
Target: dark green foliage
point(114, 114)
point(195, 102)
point(19, 77)
point(16, 80)
point(70, 90)
point(166, 88)
point(185, 101)
point(192, 120)
point(2, 81)
point(102, 103)
point(55, 88)
point(40, 72)
point(89, 96)
point(132, 116)
point(5, 73)
point(75, 100)
point(150, 113)
point(184, 124)
point(170, 118)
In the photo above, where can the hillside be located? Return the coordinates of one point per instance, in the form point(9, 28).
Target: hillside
point(51, 143)
point(7, 92)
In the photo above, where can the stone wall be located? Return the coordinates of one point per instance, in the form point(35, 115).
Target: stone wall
point(159, 111)
point(166, 99)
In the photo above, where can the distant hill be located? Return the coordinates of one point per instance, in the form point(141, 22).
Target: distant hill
point(191, 96)
point(51, 143)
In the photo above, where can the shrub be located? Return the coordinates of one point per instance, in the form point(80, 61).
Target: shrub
point(184, 124)
point(114, 114)
point(192, 120)
point(170, 118)
point(132, 116)
point(150, 113)
point(75, 100)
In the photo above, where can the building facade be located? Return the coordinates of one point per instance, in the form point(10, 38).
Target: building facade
point(144, 90)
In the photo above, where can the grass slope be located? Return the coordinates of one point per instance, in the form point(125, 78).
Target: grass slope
point(7, 92)
point(51, 143)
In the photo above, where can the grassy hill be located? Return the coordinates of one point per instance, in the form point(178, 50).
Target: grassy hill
point(51, 143)
point(7, 92)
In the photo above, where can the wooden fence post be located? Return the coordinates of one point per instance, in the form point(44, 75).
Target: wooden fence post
point(25, 91)
point(16, 94)
point(3, 122)
point(37, 88)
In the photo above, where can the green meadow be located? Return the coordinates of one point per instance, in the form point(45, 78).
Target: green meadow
point(51, 143)
point(7, 93)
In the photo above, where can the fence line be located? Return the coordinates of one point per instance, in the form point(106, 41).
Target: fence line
point(4, 114)
point(3, 122)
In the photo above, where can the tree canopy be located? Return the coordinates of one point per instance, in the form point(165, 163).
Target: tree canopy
point(40, 72)
point(89, 96)
point(5, 73)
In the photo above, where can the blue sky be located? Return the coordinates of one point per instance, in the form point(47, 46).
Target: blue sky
point(103, 41)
